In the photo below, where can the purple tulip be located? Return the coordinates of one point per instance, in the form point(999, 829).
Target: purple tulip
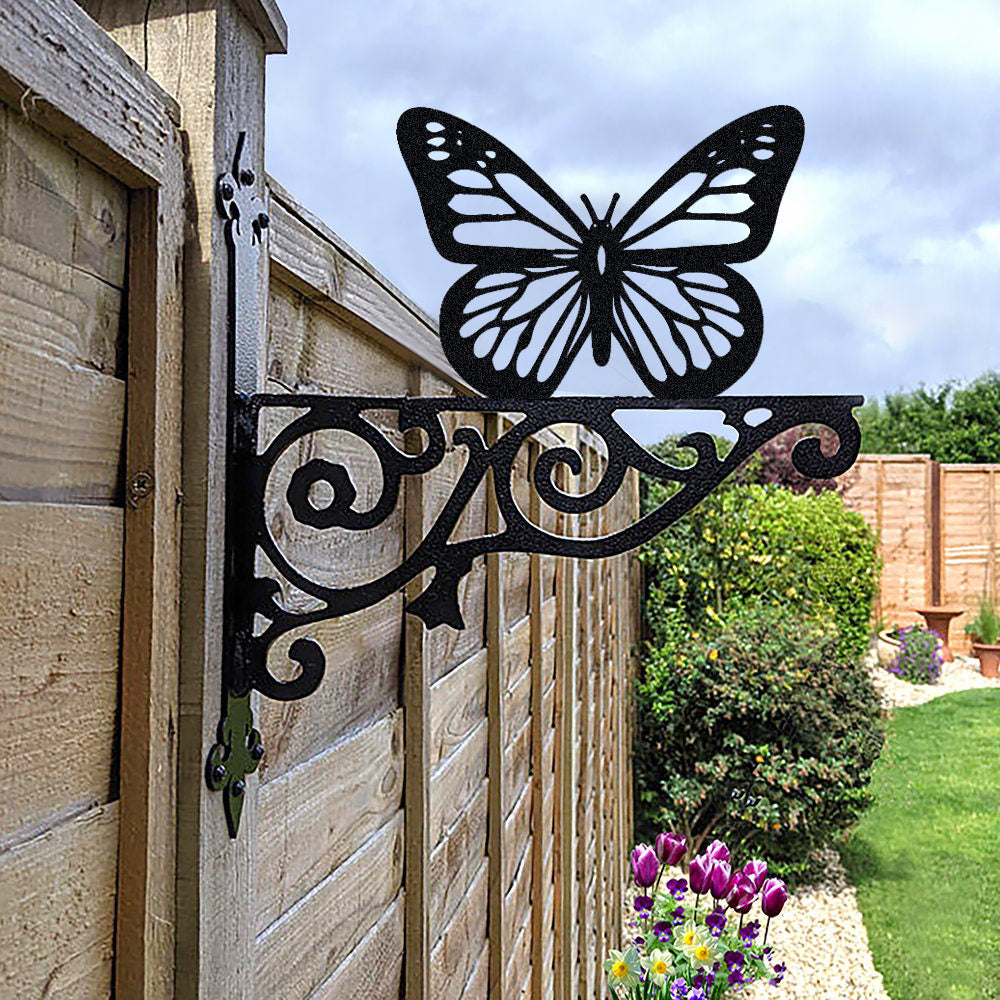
point(700, 874)
point(721, 877)
point(717, 851)
point(670, 848)
point(644, 865)
point(756, 871)
point(741, 893)
point(773, 896)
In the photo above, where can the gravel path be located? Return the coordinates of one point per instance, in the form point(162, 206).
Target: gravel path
point(821, 934)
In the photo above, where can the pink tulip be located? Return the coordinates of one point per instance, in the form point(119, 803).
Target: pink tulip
point(644, 865)
point(700, 874)
point(773, 896)
point(756, 871)
point(742, 893)
point(670, 848)
point(717, 851)
point(721, 877)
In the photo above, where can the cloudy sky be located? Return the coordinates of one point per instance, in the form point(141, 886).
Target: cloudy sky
point(884, 269)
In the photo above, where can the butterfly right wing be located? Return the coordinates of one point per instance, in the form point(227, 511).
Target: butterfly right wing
point(513, 334)
point(688, 332)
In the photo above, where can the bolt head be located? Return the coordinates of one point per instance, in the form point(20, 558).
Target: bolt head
point(257, 751)
point(239, 787)
point(247, 177)
point(219, 772)
point(264, 220)
point(227, 190)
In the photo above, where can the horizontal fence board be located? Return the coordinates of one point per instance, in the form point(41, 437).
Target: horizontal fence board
point(454, 955)
point(361, 686)
point(454, 782)
point(456, 861)
point(458, 703)
point(301, 950)
point(82, 86)
point(374, 968)
point(58, 912)
point(313, 818)
point(58, 659)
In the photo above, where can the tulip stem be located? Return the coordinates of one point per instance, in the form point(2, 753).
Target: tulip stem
point(767, 927)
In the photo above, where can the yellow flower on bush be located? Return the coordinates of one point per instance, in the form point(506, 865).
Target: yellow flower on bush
point(623, 968)
point(713, 654)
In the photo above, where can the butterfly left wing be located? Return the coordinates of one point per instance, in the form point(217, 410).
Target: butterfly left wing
point(482, 203)
point(514, 334)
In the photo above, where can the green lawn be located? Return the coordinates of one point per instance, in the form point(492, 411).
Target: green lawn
point(926, 857)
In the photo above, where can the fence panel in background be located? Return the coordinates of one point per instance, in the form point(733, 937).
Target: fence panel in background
point(938, 529)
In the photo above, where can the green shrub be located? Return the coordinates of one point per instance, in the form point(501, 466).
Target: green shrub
point(985, 627)
point(749, 545)
point(763, 737)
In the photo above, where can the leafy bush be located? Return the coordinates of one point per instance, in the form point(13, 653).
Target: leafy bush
point(749, 545)
point(764, 737)
point(919, 658)
point(951, 423)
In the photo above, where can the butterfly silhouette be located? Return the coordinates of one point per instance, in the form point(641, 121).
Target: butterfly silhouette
point(546, 281)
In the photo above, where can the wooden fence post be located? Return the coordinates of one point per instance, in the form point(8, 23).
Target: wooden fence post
point(210, 57)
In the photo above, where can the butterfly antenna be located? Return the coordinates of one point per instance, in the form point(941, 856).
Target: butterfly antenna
point(590, 208)
point(611, 208)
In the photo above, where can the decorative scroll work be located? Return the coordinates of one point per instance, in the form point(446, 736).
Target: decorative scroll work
point(256, 597)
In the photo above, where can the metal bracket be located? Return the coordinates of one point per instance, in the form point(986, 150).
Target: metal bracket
point(267, 595)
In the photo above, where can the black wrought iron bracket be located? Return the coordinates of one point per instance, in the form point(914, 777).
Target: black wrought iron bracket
point(267, 596)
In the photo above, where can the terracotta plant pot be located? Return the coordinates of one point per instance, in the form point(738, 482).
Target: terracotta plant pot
point(887, 647)
point(988, 655)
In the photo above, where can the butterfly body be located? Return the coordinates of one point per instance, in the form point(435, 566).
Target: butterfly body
point(545, 282)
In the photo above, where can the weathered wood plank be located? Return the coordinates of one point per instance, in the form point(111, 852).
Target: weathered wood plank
point(151, 594)
point(458, 703)
point(60, 428)
point(454, 782)
point(517, 836)
point(58, 913)
point(309, 255)
point(453, 958)
point(363, 689)
point(58, 660)
point(333, 918)
point(456, 861)
point(379, 953)
point(65, 73)
point(314, 817)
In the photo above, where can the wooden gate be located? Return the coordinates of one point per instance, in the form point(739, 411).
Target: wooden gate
point(450, 814)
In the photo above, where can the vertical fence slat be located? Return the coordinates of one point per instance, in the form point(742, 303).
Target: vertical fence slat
point(495, 690)
point(416, 767)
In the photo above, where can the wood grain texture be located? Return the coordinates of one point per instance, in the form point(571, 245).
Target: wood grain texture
point(331, 919)
point(456, 861)
point(70, 77)
point(308, 255)
point(458, 703)
point(151, 596)
point(381, 951)
point(348, 700)
point(58, 913)
point(58, 661)
point(314, 817)
point(459, 950)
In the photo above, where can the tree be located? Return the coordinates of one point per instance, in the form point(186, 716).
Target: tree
point(951, 423)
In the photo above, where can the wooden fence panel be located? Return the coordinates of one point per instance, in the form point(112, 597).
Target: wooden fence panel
point(938, 533)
